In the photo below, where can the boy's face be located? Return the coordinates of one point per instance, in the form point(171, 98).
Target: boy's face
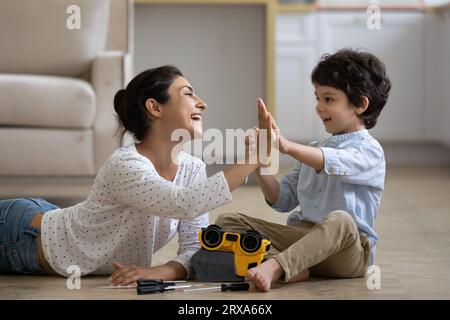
point(336, 112)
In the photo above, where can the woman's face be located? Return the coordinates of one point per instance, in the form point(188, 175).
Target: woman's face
point(184, 110)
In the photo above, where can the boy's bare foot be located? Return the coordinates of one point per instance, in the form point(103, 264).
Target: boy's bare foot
point(263, 275)
point(269, 271)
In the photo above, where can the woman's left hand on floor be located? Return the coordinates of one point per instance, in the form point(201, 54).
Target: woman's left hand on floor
point(128, 274)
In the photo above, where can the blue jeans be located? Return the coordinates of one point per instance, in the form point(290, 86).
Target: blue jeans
point(18, 240)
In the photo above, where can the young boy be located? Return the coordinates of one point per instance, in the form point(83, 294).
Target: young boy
point(337, 182)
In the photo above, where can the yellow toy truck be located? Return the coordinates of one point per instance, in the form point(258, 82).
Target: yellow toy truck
point(226, 256)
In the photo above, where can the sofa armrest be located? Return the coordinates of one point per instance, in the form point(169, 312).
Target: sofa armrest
point(111, 71)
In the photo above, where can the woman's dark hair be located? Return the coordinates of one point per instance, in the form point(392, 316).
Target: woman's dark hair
point(129, 103)
point(357, 74)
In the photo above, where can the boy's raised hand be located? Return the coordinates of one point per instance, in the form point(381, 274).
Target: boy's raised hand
point(266, 120)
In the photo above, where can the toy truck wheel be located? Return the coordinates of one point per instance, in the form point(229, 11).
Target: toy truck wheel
point(212, 236)
point(250, 241)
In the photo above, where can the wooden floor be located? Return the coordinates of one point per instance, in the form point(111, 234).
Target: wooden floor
point(413, 253)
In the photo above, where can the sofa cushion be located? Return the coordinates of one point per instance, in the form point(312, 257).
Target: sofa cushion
point(46, 152)
point(35, 38)
point(46, 101)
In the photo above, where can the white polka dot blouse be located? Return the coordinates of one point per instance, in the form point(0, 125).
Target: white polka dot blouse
point(131, 212)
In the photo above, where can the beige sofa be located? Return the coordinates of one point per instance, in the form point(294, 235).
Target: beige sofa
point(57, 84)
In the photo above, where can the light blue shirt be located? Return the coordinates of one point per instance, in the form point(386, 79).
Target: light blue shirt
point(352, 180)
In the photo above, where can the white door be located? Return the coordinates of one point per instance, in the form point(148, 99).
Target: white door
point(399, 43)
point(295, 94)
point(296, 55)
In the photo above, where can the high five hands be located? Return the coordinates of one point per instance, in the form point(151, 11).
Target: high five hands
point(267, 135)
point(311, 156)
point(278, 140)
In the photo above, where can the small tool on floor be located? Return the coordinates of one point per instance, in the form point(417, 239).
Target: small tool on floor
point(149, 286)
point(154, 282)
point(238, 286)
point(158, 288)
point(142, 283)
point(117, 287)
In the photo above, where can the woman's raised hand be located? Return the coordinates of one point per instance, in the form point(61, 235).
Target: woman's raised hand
point(265, 133)
point(250, 146)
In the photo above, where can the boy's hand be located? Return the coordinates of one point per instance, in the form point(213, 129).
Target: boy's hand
point(282, 142)
point(274, 132)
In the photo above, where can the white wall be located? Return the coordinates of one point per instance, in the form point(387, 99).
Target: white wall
point(219, 48)
point(435, 2)
point(439, 65)
point(368, 2)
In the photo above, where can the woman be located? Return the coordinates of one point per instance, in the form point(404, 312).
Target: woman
point(139, 198)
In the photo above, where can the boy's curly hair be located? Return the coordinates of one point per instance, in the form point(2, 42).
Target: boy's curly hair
point(357, 74)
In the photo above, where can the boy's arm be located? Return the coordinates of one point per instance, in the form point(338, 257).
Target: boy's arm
point(270, 187)
point(308, 155)
point(283, 195)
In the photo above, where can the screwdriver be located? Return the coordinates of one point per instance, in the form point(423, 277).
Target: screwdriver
point(158, 288)
point(238, 286)
point(148, 286)
point(155, 282)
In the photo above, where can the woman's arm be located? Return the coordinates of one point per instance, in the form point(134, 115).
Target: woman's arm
point(127, 274)
point(132, 182)
point(236, 174)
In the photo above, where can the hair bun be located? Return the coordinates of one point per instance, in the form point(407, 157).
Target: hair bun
point(125, 111)
point(120, 102)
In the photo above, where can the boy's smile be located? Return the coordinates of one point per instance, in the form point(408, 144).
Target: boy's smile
point(336, 112)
